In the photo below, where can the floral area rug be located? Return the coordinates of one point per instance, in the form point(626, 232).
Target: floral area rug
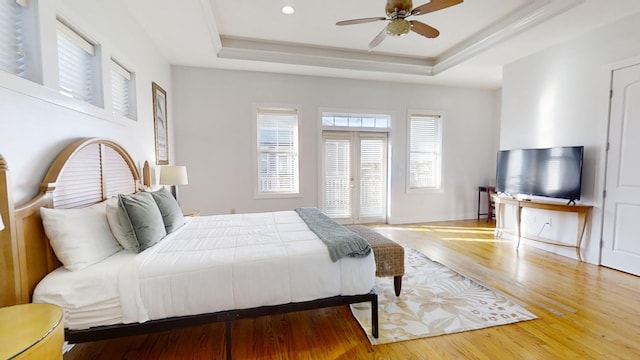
point(435, 300)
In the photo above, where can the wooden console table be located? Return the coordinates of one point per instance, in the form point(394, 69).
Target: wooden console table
point(581, 210)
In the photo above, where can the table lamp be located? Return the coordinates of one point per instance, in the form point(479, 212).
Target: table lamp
point(174, 175)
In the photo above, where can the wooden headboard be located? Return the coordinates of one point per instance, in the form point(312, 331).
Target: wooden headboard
point(88, 171)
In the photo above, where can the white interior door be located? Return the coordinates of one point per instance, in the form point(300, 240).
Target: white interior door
point(620, 241)
point(354, 186)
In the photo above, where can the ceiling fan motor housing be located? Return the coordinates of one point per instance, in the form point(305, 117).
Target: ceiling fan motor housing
point(397, 6)
point(398, 27)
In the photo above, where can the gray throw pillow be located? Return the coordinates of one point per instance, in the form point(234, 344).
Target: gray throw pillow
point(145, 218)
point(121, 225)
point(169, 208)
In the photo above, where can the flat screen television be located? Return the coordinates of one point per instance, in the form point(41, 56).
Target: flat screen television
point(552, 172)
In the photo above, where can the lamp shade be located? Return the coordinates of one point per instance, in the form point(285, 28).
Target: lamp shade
point(173, 175)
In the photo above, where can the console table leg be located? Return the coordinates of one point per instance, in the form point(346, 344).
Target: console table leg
point(499, 219)
point(518, 224)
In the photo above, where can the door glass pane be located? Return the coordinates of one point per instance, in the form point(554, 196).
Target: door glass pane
point(337, 202)
point(372, 178)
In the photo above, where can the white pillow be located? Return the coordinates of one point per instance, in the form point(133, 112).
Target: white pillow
point(121, 226)
point(79, 237)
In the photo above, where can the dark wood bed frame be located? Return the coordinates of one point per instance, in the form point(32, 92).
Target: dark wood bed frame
point(105, 170)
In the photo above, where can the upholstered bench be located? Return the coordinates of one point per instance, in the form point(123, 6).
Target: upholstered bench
point(389, 255)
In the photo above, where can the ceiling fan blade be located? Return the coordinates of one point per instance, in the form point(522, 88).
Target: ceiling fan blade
point(378, 39)
point(424, 29)
point(360, 21)
point(434, 5)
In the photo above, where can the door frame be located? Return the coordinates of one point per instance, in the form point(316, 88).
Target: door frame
point(354, 137)
point(600, 185)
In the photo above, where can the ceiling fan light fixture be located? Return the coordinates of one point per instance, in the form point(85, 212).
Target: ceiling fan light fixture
point(288, 10)
point(398, 27)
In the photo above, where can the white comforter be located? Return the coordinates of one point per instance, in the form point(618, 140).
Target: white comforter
point(224, 262)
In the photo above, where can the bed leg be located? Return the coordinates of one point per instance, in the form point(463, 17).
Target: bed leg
point(228, 338)
point(374, 316)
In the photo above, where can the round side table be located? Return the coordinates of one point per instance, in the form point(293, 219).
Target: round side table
point(31, 331)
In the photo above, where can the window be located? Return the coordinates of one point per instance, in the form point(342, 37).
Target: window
point(77, 65)
point(356, 120)
point(122, 90)
point(12, 53)
point(277, 155)
point(424, 168)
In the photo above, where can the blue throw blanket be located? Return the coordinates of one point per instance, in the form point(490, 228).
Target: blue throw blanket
point(340, 241)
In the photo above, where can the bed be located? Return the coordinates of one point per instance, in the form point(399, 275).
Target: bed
point(248, 265)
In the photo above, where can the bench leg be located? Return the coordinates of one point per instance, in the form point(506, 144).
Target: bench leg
point(397, 284)
point(374, 315)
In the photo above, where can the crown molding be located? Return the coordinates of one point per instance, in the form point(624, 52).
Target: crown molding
point(507, 27)
point(248, 49)
point(212, 24)
point(518, 21)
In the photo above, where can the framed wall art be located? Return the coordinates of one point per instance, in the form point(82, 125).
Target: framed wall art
point(160, 124)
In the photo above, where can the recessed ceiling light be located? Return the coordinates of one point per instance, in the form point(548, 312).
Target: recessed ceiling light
point(288, 10)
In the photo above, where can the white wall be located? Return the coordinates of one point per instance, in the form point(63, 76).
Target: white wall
point(560, 97)
point(36, 123)
point(213, 138)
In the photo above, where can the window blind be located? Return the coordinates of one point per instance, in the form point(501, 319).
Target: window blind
point(12, 54)
point(121, 89)
point(76, 68)
point(372, 177)
point(337, 182)
point(277, 151)
point(424, 152)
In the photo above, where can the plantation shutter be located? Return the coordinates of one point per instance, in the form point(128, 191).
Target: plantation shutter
point(372, 177)
point(424, 152)
point(12, 54)
point(337, 182)
point(75, 65)
point(277, 151)
point(120, 90)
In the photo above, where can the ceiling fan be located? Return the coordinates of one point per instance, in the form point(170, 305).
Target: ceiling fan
point(397, 12)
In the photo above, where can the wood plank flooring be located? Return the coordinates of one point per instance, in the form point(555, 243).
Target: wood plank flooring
point(585, 312)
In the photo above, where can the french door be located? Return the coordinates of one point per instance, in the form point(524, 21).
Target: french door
point(354, 176)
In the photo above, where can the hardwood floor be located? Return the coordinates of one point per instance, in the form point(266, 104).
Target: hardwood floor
point(585, 312)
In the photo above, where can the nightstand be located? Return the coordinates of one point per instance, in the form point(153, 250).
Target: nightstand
point(190, 212)
point(31, 331)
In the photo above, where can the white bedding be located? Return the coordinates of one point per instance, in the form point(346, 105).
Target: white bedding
point(89, 297)
point(213, 263)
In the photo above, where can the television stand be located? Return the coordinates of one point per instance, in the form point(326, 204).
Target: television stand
point(581, 210)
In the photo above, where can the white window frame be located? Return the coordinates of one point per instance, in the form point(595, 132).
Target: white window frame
point(89, 47)
point(284, 109)
point(11, 47)
point(41, 77)
point(439, 115)
point(27, 65)
point(124, 83)
point(355, 121)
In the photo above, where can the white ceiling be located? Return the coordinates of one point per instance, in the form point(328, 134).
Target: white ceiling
point(476, 38)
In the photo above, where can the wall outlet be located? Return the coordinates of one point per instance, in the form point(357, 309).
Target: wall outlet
point(232, 211)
